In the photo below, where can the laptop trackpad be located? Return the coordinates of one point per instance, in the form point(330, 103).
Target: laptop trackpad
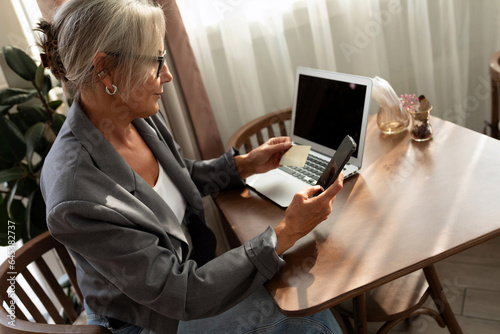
point(277, 186)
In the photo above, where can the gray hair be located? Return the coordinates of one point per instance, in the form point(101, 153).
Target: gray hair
point(129, 31)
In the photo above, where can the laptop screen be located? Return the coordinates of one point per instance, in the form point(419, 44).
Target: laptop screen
point(327, 109)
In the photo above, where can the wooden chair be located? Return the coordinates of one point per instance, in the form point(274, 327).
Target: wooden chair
point(394, 302)
point(34, 311)
point(391, 303)
point(495, 91)
point(248, 137)
point(254, 132)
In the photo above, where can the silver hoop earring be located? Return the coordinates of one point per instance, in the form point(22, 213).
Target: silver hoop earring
point(115, 89)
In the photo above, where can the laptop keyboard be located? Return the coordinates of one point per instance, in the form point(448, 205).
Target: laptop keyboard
point(311, 171)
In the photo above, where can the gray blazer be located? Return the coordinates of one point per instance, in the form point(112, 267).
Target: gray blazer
point(127, 244)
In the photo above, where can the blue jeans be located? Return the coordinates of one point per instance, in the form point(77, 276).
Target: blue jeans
point(101, 320)
point(257, 314)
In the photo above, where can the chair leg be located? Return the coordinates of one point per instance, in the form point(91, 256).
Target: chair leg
point(359, 306)
point(343, 321)
point(440, 300)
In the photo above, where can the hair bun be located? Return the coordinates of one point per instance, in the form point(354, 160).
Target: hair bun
point(50, 56)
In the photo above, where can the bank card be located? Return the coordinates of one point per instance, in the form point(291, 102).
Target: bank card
point(295, 156)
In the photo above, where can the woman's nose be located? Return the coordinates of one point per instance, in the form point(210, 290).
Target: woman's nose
point(165, 74)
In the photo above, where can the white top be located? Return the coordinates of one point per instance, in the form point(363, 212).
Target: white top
point(166, 188)
point(169, 192)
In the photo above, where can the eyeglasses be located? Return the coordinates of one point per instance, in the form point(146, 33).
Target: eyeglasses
point(159, 59)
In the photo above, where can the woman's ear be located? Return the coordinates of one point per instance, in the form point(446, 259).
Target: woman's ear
point(101, 66)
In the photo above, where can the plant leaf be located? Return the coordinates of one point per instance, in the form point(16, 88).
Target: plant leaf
point(35, 215)
point(5, 155)
point(32, 113)
point(35, 139)
point(4, 165)
point(12, 144)
point(57, 122)
point(20, 62)
point(19, 121)
point(55, 104)
point(47, 85)
point(4, 222)
point(11, 174)
point(11, 96)
point(4, 109)
point(40, 73)
point(15, 208)
point(25, 186)
point(17, 213)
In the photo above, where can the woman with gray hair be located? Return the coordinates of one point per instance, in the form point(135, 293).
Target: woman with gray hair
point(128, 206)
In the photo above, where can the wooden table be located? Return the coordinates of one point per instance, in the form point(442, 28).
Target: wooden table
point(412, 205)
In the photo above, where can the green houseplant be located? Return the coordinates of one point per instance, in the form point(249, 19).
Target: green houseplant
point(29, 124)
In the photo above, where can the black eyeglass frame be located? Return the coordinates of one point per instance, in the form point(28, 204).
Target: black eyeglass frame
point(160, 59)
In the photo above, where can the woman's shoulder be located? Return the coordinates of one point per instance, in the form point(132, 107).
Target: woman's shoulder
point(64, 168)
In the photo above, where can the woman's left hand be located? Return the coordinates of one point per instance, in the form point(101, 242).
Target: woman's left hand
point(263, 158)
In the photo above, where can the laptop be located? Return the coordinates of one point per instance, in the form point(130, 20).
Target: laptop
point(327, 106)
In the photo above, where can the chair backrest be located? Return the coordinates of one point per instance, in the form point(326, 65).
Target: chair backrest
point(495, 100)
point(34, 299)
point(253, 133)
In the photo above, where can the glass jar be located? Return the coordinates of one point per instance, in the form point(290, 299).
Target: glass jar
point(392, 120)
point(421, 128)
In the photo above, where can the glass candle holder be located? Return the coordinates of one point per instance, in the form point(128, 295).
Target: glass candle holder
point(392, 120)
point(421, 128)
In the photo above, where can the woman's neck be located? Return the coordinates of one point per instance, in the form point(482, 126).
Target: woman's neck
point(115, 124)
point(113, 120)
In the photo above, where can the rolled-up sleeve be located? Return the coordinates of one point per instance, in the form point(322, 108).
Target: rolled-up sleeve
point(261, 250)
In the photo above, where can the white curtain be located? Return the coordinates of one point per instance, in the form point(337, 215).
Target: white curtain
point(248, 50)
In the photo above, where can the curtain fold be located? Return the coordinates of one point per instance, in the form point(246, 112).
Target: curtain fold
point(248, 51)
point(192, 90)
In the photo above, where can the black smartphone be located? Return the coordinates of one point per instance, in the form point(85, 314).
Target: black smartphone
point(336, 164)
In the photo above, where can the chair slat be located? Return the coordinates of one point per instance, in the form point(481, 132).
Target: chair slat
point(56, 288)
point(44, 298)
point(270, 131)
point(260, 139)
point(248, 146)
point(69, 266)
point(30, 306)
point(28, 319)
point(19, 313)
point(282, 128)
point(242, 136)
point(5, 298)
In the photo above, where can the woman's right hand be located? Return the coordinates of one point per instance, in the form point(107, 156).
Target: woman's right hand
point(305, 212)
